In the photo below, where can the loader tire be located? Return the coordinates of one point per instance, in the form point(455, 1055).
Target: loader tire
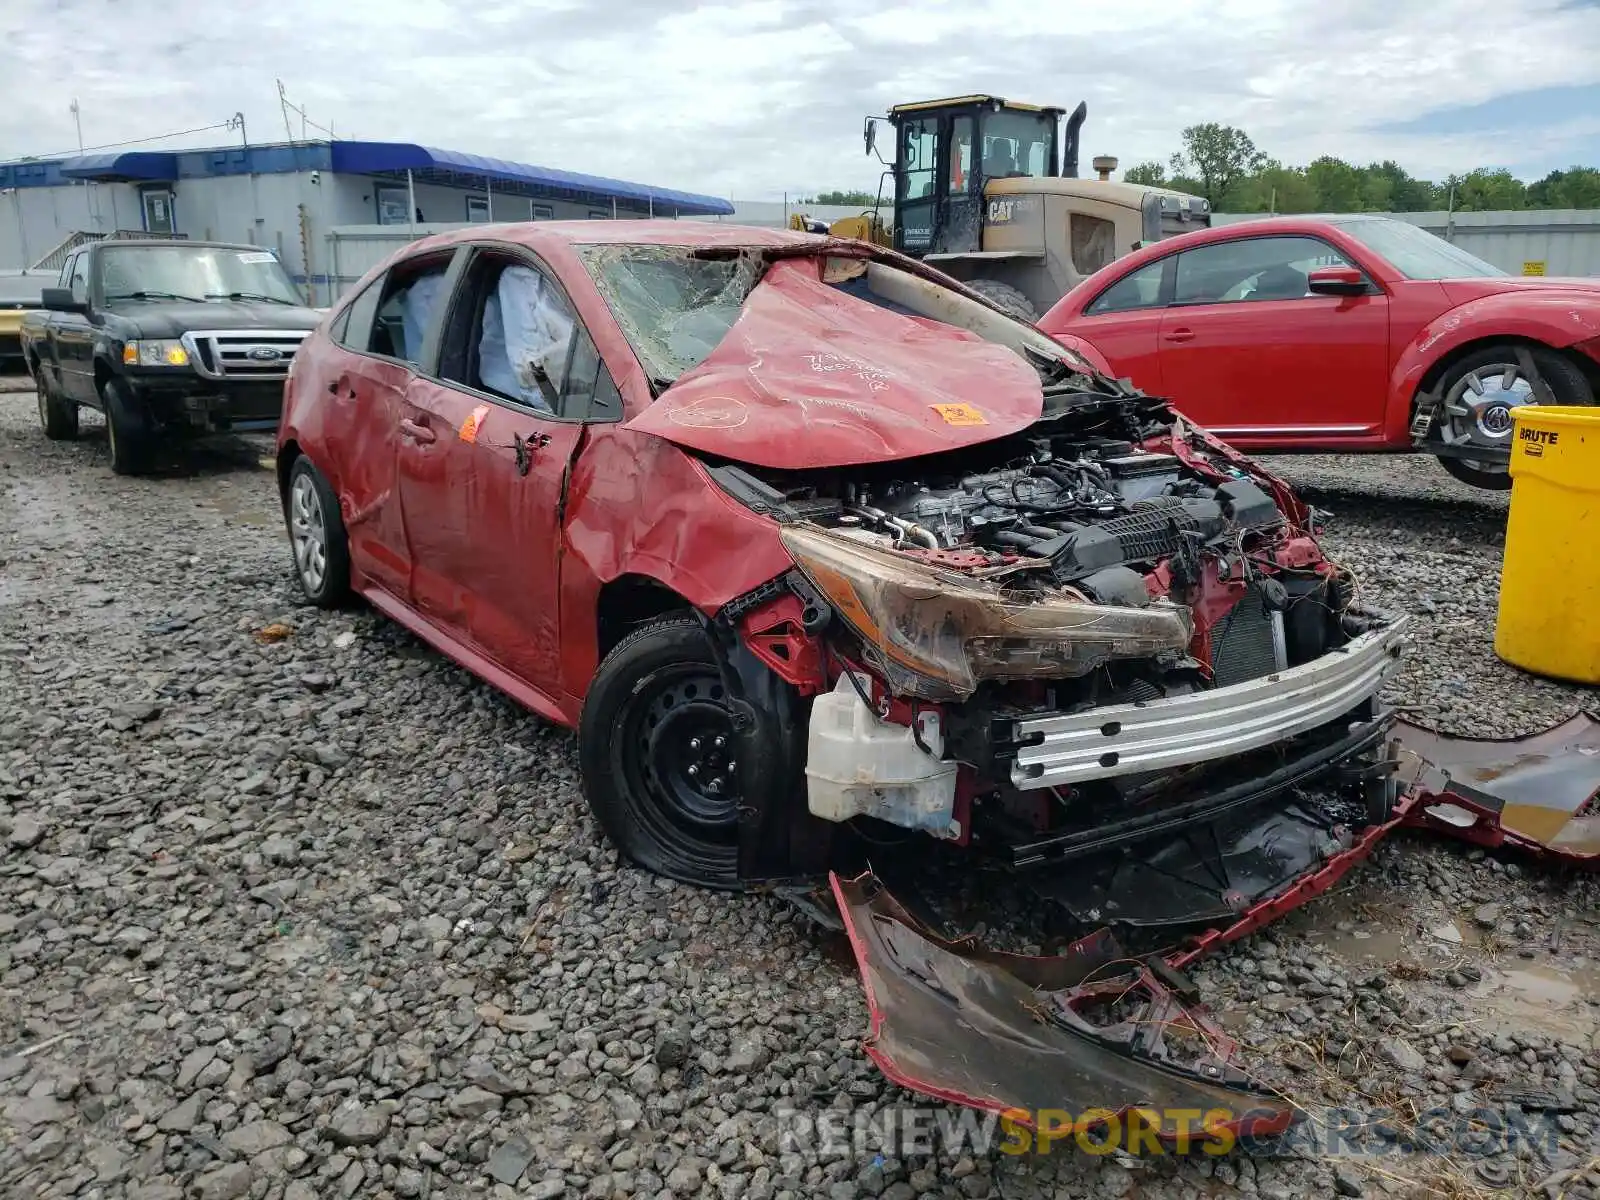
point(1007, 297)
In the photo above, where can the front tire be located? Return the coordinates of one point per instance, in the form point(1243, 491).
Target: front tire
point(317, 536)
point(128, 434)
point(1481, 390)
point(1007, 297)
point(58, 416)
point(659, 753)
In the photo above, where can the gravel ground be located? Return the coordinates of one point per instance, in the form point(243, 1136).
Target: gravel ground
point(292, 908)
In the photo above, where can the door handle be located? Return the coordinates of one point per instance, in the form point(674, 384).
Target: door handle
point(417, 433)
point(524, 449)
point(1180, 335)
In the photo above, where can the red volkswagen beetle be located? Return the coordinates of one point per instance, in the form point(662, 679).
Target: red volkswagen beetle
point(1346, 333)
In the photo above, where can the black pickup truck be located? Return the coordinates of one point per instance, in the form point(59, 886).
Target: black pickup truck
point(170, 339)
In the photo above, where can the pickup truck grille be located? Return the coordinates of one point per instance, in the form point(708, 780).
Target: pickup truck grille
point(243, 353)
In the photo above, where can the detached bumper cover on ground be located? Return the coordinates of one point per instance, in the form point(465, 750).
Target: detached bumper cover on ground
point(1087, 1030)
point(1094, 1030)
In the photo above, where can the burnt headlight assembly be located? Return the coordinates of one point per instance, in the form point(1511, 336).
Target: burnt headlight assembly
point(937, 634)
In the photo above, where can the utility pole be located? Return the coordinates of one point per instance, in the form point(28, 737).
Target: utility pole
point(77, 120)
point(283, 105)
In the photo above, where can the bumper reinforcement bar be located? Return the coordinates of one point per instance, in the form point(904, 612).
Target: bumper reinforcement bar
point(1153, 735)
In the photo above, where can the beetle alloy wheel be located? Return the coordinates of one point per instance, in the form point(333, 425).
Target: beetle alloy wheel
point(681, 731)
point(1477, 409)
point(309, 532)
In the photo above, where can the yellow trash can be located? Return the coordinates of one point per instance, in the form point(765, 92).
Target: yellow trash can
point(1549, 618)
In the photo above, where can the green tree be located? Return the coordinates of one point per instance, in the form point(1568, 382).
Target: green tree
point(1488, 189)
point(1576, 187)
point(854, 199)
point(1275, 188)
point(1337, 184)
point(1148, 174)
point(1405, 193)
point(1220, 155)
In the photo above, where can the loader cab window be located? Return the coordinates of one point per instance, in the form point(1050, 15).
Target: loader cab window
point(919, 157)
point(960, 155)
point(1016, 144)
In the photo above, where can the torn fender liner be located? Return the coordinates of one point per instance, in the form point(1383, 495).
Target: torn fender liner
point(1090, 1029)
point(1537, 792)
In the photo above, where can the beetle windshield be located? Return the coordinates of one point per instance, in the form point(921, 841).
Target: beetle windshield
point(1416, 253)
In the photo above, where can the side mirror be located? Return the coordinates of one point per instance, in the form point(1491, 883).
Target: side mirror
point(1336, 281)
point(869, 134)
point(60, 299)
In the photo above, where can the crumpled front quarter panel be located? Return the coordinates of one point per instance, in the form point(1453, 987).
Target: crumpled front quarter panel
point(808, 377)
point(637, 505)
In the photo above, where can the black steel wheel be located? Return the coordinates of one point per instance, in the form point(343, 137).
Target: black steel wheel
point(660, 754)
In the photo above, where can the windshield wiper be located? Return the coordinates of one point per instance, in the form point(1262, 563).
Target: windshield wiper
point(147, 294)
point(248, 296)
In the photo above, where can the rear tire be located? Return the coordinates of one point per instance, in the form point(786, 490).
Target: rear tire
point(128, 433)
point(1491, 367)
point(57, 415)
point(1007, 297)
point(317, 537)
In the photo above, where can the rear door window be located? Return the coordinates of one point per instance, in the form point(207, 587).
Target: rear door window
point(356, 332)
point(411, 299)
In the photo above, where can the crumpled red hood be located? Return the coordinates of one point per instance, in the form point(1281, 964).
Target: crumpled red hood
point(812, 377)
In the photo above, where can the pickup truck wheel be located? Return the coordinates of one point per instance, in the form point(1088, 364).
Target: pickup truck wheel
point(1480, 393)
point(57, 415)
point(657, 749)
point(127, 429)
point(317, 536)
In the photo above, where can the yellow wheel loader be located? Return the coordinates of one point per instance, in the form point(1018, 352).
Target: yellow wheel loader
point(987, 189)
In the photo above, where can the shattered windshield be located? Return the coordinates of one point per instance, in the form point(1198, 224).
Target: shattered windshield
point(673, 308)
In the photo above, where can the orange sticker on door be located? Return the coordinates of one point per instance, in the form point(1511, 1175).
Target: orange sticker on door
point(960, 414)
point(474, 423)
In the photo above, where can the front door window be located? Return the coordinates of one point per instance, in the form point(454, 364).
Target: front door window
point(158, 211)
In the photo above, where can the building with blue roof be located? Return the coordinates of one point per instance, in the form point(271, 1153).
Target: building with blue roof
point(328, 209)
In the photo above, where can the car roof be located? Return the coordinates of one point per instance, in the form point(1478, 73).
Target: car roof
point(1314, 225)
point(659, 232)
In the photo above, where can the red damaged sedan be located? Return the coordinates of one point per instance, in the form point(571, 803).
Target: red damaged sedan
point(796, 531)
point(820, 551)
point(1350, 333)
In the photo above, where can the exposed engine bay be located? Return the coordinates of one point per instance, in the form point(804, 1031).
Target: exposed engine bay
point(1106, 501)
point(1086, 641)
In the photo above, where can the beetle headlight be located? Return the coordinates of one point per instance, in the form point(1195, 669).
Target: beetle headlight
point(143, 352)
point(937, 634)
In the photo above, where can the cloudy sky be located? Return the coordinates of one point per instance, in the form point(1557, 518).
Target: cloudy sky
point(752, 99)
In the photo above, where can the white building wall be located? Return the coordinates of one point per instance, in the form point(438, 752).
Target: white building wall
point(33, 221)
point(262, 210)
